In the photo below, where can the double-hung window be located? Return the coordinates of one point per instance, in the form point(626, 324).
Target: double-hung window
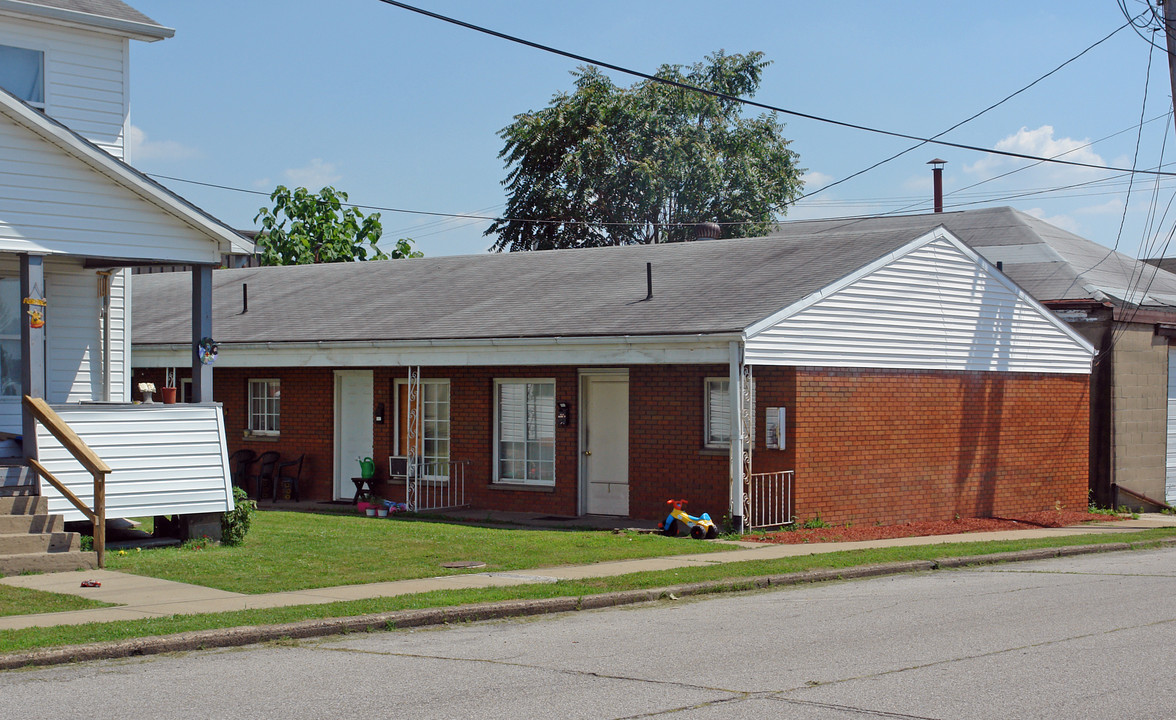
point(432, 432)
point(22, 73)
point(10, 319)
point(524, 431)
point(717, 414)
point(265, 404)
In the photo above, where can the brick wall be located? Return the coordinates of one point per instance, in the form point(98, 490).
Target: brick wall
point(867, 445)
point(899, 446)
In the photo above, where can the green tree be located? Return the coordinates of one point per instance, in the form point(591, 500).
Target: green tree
point(304, 228)
point(607, 165)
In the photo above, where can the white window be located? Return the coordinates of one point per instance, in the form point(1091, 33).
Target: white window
point(22, 73)
point(433, 439)
point(524, 431)
point(717, 414)
point(265, 402)
point(10, 318)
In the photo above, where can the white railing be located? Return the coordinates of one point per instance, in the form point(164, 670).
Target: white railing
point(769, 499)
point(436, 486)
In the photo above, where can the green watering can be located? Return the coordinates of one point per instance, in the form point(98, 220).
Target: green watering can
point(367, 468)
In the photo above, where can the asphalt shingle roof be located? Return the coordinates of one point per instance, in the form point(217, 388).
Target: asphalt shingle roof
point(711, 286)
point(113, 9)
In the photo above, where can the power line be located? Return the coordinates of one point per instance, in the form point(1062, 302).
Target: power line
point(745, 101)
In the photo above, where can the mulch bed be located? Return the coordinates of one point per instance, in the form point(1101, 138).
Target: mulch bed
point(853, 533)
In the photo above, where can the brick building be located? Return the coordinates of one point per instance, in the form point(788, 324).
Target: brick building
point(895, 376)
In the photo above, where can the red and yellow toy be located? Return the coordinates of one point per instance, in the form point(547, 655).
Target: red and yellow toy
point(679, 523)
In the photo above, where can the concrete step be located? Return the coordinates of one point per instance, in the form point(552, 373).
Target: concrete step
point(13, 524)
point(47, 562)
point(17, 481)
point(24, 505)
point(24, 543)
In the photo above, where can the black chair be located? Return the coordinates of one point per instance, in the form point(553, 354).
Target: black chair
point(289, 472)
point(239, 463)
point(266, 469)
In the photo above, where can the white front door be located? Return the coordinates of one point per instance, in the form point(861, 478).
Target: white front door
point(604, 443)
point(353, 427)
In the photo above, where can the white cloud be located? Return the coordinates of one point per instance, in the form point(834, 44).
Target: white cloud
point(141, 148)
point(263, 184)
point(814, 180)
point(314, 176)
point(1040, 143)
point(1114, 206)
point(1065, 222)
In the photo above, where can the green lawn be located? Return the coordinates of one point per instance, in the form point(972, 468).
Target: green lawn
point(31, 638)
point(297, 551)
point(19, 601)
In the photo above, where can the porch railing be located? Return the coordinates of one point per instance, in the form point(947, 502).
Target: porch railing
point(436, 486)
point(88, 459)
point(769, 499)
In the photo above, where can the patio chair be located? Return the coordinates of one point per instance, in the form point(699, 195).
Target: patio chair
point(239, 463)
point(289, 472)
point(266, 469)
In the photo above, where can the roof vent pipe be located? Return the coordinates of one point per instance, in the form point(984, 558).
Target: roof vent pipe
point(244, 298)
point(937, 176)
point(708, 231)
point(648, 281)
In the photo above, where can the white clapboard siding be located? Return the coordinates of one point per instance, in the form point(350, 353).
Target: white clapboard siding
point(1170, 484)
point(54, 203)
point(85, 78)
point(164, 459)
point(934, 307)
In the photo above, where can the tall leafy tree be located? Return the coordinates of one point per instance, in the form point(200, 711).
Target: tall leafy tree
point(304, 228)
point(609, 165)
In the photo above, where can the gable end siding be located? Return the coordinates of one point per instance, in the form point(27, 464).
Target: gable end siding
point(934, 308)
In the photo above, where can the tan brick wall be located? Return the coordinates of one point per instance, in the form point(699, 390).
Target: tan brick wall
point(1139, 409)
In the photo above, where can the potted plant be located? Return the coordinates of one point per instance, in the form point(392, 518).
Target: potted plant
point(168, 392)
point(373, 502)
point(381, 507)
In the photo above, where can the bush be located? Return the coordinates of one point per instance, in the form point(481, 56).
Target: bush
point(235, 523)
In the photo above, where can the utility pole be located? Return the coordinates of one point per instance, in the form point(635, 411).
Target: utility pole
point(1170, 35)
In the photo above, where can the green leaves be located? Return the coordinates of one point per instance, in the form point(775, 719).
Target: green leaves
point(304, 228)
point(612, 166)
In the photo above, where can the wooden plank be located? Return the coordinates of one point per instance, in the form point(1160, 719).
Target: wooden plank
point(65, 435)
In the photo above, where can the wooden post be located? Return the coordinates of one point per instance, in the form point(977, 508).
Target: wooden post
point(201, 328)
point(100, 518)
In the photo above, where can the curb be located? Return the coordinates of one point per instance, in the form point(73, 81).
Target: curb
point(401, 619)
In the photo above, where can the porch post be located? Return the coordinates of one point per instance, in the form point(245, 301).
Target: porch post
point(32, 343)
point(735, 392)
point(201, 328)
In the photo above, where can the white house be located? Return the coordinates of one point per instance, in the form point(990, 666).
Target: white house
point(74, 217)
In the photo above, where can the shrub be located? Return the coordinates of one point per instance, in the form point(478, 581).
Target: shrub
point(235, 523)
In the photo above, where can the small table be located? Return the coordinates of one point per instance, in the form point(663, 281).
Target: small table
point(360, 483)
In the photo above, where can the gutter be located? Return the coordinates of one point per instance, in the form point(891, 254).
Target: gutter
point(147, 32)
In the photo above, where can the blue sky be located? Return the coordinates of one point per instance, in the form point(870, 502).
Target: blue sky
point(403, 111)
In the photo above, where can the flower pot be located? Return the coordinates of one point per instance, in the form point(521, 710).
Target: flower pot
point(382, 512)
point(147, 397)
point(370, 512)
point(168, 395)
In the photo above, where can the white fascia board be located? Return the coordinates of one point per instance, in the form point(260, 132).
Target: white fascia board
point(86, 21)
point(940, 232)
point(622, 350)
point(224, 240)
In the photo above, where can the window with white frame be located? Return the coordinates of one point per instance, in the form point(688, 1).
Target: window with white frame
point(265, 402)
point(717, 414)
point(433, 431)
point(10, 317)
point(22, 73)
point(524, 431)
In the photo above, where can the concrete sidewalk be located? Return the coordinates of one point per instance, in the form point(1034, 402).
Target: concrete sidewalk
point(137, 597)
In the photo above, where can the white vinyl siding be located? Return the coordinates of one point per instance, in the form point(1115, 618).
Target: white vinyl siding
point(717, 413)
point(164, 459)
point(85, 84)
point(524, 431)
point(933, 308)
point(54, 204)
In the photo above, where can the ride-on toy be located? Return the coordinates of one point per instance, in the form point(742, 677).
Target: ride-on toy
point(678, 522)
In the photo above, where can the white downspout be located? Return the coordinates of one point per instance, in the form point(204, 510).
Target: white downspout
point(735, 393)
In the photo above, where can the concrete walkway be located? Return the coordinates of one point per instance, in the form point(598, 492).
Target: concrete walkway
point(138, 597)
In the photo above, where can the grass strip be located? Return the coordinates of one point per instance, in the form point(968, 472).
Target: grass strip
point(36, 638)
point(17, 601)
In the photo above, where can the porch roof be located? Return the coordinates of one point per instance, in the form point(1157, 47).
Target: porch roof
point(705, 287)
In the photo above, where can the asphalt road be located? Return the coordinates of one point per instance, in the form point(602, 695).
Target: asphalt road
point(1084, 637)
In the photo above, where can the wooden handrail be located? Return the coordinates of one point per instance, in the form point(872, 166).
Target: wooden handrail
point(83, 454)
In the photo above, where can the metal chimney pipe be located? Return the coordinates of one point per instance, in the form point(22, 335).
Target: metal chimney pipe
point(937, 176)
